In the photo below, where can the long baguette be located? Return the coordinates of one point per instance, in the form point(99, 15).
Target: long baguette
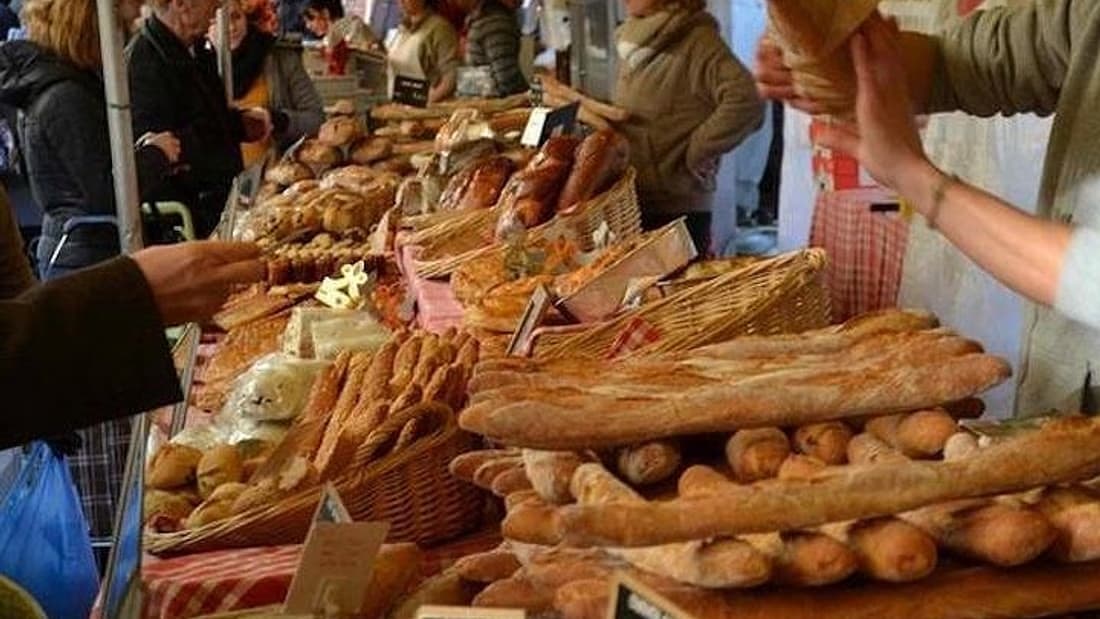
point(888, 549)
point(867, 448)
point(1038, 591)
point(994, 532)
point(782, 399)
point(1061, 451)
point(465, 465)
point(804, 558)
point(516, 592)
point(710, 563)
point(533, 522)
point(509, 482)
point(487, 567)
point(1074, 512)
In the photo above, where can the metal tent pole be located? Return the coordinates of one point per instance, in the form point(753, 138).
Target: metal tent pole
point(117, 90)
point(225, 54)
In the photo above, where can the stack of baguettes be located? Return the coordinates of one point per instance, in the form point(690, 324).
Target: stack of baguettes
point(819, 475)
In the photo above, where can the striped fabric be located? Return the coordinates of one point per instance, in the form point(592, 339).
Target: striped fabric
point(493, 40)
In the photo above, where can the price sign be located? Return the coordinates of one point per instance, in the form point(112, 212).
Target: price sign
point(410, 91)
point(532, 317)
point(545, 123)
point(337, 559)
point(631, 599)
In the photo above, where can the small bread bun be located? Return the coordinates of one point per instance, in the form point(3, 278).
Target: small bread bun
point(286, 174)
point(173, 466)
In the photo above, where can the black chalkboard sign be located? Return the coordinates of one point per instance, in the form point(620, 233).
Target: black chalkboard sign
point(410, 91)
point(633, 600)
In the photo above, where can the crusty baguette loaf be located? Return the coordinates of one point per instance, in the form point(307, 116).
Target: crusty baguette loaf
point(922, 434)
point(1074, 512)
point(757, 454)
point(326, 389)
point(376, 382)
point(781, 399)
point(342, 412)
point(486, 473)
point(517, 498)
point(972, 593)
point(1061, 451)
point(866, 448)
point(516, 592)
point(487, 567)
point(465, 465)
point(395, 570)
point(511, 481)
point(995, 532)
point(404, 363)
point(550, 473)
point(800, 467)
point(709, 563)
point(888, 549)
point(828, 442)
point(805, 558)
point(649, 463)
point(532, 522)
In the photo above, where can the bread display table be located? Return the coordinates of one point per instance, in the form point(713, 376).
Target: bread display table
point(865, 238)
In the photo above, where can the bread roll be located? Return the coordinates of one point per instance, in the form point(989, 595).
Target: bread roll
point(173, 466)
point(551, 472)
point(517, 498)
point(486, 473)
point(828, 442)
point(340, 131)
point(649, 463)
point(286, 174)
point(218, 506)
point(396, 568)
point(960, 445)
point(1074, 513)
point(510, 481)
point(532, 522)
point(486, 183)
point(218, 466)
point(319, 156)
point(366, 151)
point(888, 549)
point(757, 454)
point(163, 503)
point(867, 448)
point(488, 567)
point(800, 467)
point(922, 434)
point(516, 592)
point(997, 533)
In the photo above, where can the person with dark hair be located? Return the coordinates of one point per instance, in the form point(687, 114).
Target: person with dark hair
point(425, 47)
point(493, 41)
point(268, 73)
point(327, 21)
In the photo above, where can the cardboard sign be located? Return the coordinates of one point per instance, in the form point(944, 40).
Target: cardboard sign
point(337, 560)
point(631, 599)
point(532, 317)
point(410, 91)
point(463, 612)
point(545, 123)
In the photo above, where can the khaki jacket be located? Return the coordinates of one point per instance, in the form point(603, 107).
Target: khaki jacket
point(690, 104)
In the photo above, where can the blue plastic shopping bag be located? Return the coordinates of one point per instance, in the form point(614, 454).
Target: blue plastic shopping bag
point(44, 543)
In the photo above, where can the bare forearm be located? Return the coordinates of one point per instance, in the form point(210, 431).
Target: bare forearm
point(1025, 253)
point(443, 89)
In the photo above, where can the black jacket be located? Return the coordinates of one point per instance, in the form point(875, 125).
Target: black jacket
point(64, 138)
point(176, 89)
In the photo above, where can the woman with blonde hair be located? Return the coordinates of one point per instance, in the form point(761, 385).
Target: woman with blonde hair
point(54, 79)
point(691, 101)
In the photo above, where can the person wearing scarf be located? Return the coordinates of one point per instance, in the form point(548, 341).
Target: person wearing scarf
point(690, 102)
point(268, 73)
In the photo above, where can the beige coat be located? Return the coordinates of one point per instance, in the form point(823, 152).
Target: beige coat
point(690, 103)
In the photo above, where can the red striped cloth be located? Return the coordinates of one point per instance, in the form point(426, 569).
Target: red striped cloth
point(866, 249)
point(636, 334)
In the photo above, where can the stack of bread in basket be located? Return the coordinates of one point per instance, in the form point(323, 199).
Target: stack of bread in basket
point(827, 474)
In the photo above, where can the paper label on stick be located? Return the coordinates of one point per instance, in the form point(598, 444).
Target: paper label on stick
point(630, 599)
point(532, 317)
point(337, 560)
point(535, 122)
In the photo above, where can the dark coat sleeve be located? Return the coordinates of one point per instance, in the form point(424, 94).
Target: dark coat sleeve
point(81, 350)
point(299, 98)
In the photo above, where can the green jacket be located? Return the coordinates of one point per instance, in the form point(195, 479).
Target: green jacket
point(1041, 56)
point(691, 103)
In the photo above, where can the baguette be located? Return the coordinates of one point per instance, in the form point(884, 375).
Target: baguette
point(487, 567)
point(804, 558)
point(1038, 591)
point(550, 473)
point(533, 522)
point(828, 442)
point(376, 382)
point(997, 533)
point(888, 549)
point(757, 454)
point(922, 434)
point(486, 473)
point(800, 467)
point(867, 448)
point(341, 412)
point(516, 592)
point(1061, 451)
point(465, 465)
point(326, 389)
point(649, 463)
point(510, 481)
point(708, 563)
point(1074, 513)
point(404, 363)
point(782, 398)
point(395, 569)
point(517, 498)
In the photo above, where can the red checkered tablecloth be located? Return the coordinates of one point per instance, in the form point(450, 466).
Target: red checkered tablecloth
point(228, 580)
point(866, 249)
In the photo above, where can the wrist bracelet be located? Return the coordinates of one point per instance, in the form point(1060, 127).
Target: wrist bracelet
point(938, 197)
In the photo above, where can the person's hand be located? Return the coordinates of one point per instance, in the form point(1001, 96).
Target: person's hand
point(191, 281)
point(774, 79)
point(166, 141)
point(257, 124)
point(885, 137)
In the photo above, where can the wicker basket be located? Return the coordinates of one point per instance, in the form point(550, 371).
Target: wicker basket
point(617, 207)
point(779, 295)
point(412, 490)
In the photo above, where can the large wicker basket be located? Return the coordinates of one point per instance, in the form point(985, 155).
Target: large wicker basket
point(617, 207)
point(779, 295)
point(412, 490)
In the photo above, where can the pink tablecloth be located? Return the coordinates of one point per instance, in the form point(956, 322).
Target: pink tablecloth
point(866, 249)
point(437, 308)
